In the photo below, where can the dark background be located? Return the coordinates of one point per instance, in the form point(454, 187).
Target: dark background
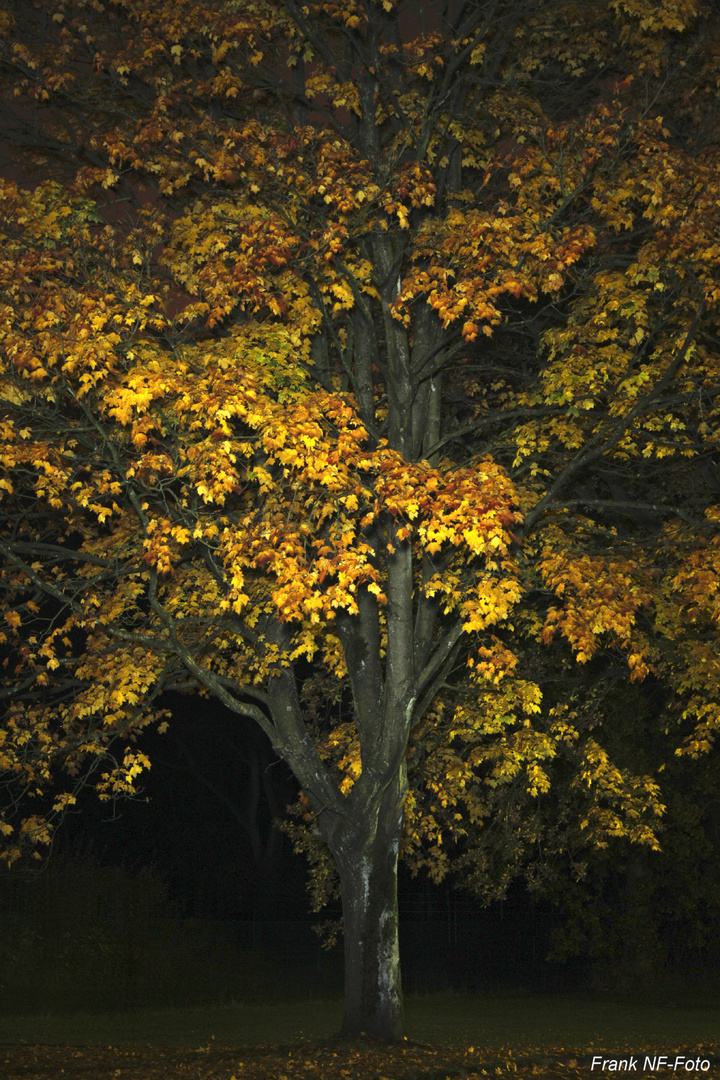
point(190, 895)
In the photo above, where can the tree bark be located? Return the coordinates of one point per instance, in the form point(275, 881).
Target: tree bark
point(367, 861)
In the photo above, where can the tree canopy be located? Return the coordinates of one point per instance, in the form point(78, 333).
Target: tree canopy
point(365, 352)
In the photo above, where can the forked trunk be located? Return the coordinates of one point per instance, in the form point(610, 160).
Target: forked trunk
point(368, 880)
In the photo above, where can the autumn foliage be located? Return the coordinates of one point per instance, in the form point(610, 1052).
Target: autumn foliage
point(354, 357)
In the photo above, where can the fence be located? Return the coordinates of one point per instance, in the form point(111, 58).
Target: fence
point(81, 937)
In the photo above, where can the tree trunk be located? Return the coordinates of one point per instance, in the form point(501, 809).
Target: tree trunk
point(368, 880)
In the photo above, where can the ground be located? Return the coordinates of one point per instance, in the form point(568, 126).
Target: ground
point(329, 1060)
point(544, 1036)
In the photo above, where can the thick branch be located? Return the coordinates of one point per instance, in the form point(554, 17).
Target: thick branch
point(629, 507)
point(439, 657)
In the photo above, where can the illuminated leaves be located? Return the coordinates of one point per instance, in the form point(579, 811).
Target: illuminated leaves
point(604, 599)
point(481, 255)
point(277, 283)
point(220, 485)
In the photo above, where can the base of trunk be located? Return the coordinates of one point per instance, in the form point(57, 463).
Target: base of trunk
point(368, 879)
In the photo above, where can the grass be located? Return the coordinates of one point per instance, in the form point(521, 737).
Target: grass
point(517, 1023)
point(543, 1038)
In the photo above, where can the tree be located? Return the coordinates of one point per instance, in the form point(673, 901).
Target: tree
point(269, 267)
point(645, 920)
